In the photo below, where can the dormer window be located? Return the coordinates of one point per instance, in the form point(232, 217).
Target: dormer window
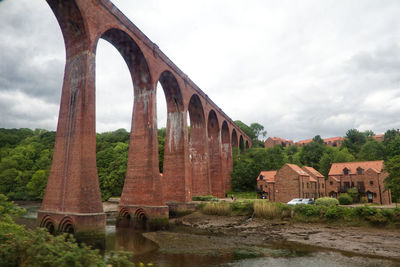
point(346, 171)
point(360, 171)
point(261, 177)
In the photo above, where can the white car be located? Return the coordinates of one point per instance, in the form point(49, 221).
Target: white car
point(296, 201)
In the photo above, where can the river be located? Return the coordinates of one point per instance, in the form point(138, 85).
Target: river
point(188, 249)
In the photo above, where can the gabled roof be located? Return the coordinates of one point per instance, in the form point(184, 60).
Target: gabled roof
point(312, 171)
point(279, 139)
point(297, 169)
point(269, 176)
point(303, 141)
point(337, 168)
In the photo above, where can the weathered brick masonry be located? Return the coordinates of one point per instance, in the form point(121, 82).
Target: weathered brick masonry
point(198, 164)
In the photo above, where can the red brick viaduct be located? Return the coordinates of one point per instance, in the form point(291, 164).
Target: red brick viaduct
point(198, 164)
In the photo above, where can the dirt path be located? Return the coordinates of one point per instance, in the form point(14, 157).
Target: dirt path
point(368, 241)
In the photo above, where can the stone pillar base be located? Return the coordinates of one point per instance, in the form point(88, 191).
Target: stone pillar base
point(88, 228)
point(177, 209)
point(143, 217)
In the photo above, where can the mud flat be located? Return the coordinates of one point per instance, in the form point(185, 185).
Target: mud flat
point(228, 232)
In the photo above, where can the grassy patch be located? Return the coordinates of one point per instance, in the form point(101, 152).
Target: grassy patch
point(270, 210)
point(204, 198)
point(217, 208)
point(244, 195)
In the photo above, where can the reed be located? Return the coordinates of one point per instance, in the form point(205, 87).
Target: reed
point(217, 208)
point(268, 210)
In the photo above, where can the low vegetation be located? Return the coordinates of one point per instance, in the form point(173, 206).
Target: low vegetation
point(22, 247)
point(326, 201)
point(326, 210)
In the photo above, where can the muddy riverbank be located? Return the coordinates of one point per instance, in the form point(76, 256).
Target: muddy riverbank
point(242, 230)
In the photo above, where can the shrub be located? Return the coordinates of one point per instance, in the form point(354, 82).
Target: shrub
point(307, 210)
point(388, 213)
point(353, 193)
point(269, 210)
point(243, 206)
point(368, 211)
point(327, 201)
point(378, 218)
point(334, 212)
point(217, 208)
point(349, 214)
point(345, 199)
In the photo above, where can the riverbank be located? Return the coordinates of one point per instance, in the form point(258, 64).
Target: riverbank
point(375, 242)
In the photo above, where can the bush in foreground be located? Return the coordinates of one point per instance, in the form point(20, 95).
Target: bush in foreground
point(22, 247)
point(326, 201)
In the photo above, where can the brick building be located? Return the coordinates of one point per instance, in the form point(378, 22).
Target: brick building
point(331, 141)
point(273, 141)
point(367, 177)
point(290, 182)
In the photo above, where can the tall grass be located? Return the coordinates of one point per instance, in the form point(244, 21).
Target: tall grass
point(268, 210)
point(217, 208)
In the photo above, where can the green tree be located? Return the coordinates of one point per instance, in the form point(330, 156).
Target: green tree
point(392, 166)
point(372, 150)
point(37, 185)
point(248, 165)
point(390, 135)
point(353, 141)
point(311, 153)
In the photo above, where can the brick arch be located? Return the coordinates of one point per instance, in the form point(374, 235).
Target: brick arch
point(174, 157)
point(234, 139)
point(226, 159)
point(214, 151)
point(198, 147)
point(48, 223)
point(66, 225)
point(133, 56)
point(241, 143)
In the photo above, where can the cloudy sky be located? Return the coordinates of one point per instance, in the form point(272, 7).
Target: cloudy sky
point(299, 68)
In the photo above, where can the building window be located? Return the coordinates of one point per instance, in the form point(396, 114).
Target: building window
point(331, 183)
point(303, 185)
point(371, 182)
point(360, 171)
point(307, 185)
point(261, 187)
point(323, 185)
point(346, 171)
point(261, 177)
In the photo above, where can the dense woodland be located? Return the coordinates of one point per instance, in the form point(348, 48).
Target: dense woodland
point(25, 158)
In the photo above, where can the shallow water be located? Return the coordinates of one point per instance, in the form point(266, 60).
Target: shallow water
point(272, 254)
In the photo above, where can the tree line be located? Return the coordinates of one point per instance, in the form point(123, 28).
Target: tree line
point(25, 158)
point(26, 155)
point(357, 146)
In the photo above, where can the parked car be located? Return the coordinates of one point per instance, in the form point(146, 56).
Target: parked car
point(296, 201)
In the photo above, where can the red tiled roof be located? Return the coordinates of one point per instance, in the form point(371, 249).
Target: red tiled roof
point(304, 141)
point(297, 169)
point(312, 171)
point(280, 139)
point(312, 179)
point(337, 168)
point(268, 175)
point(333, 139)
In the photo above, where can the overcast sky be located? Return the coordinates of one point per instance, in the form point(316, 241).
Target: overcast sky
point(299, 68)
